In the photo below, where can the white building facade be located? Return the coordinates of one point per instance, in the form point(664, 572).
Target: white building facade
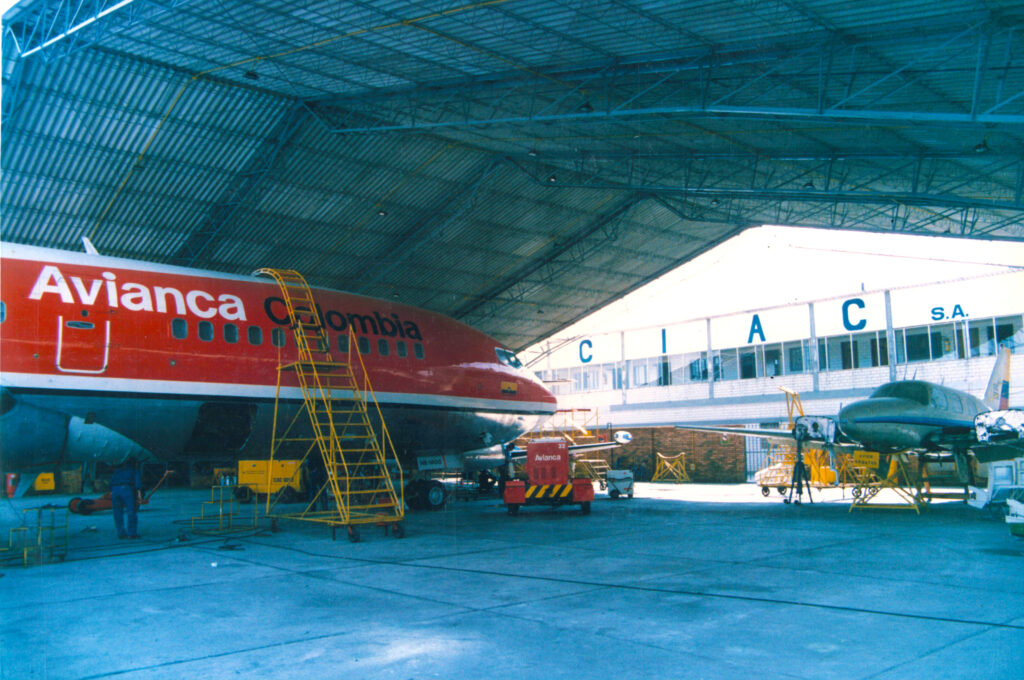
point(727, 369)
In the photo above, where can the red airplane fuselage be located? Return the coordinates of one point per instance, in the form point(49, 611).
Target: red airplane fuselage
point(102, 358)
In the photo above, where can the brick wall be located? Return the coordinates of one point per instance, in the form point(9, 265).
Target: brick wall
point(708, 457)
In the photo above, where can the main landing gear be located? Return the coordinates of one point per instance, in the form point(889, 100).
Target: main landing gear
point(425, 494)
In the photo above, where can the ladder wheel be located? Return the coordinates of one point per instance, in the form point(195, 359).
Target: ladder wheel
point(353, 534)
point(765, 491)
point(397, 530)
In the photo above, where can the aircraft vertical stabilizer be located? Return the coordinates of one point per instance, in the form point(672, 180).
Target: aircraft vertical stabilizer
point(997, 394)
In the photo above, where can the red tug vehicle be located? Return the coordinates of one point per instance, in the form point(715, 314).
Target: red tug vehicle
point(548, 481)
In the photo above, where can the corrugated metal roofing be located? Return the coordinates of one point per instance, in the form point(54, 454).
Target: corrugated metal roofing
point(514, 164)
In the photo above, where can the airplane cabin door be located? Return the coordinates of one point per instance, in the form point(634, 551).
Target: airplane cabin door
point(83, 342)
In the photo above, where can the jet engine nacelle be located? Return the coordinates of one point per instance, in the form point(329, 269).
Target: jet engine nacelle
point(33, 438)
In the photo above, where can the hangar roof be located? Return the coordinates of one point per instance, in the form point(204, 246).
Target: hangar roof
point(515, 164)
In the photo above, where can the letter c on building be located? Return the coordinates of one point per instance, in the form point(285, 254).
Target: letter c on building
point(588, 345)
point(846, 315)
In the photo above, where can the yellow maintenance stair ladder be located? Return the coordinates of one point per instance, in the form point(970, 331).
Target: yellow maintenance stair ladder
point(358, 458)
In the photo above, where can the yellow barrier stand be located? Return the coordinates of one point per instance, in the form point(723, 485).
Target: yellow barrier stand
point(898, 481)
point(671, 469)
point(218, 514)
point(41, 542)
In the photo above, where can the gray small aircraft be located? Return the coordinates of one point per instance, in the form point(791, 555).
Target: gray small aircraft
point(919, 416)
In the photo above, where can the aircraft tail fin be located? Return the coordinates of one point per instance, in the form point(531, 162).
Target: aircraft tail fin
point(997, 394)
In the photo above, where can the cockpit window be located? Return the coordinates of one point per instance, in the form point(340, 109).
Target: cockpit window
point(508, 357)
point(909, 390)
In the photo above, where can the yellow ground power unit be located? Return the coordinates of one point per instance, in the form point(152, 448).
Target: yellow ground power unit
point(261, 477)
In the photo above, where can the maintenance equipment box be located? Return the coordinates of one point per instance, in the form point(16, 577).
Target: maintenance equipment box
point(547, 461)
point(253, 474)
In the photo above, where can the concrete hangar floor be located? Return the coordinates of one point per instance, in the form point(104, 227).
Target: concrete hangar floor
point(691, 581)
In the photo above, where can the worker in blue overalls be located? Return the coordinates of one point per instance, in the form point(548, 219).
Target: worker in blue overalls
point(125, 497)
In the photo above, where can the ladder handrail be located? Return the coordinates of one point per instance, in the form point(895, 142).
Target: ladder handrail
point(314, 370)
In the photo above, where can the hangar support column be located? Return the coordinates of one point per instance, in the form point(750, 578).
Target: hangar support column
point(813, 350)
point(890, 337)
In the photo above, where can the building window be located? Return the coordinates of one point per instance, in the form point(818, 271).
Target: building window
point(794, 353)
point(255, 335)
point(917, 344)
point(772, 360)
point(726, 365)
point(179, 329)
point(748, 363)
point(981, 336)
point(1008, 331)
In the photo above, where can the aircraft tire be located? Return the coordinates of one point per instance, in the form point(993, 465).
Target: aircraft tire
point(85, 506)
point(414, 495)
point(613, 494)
point(434, 495)
point(513, 508)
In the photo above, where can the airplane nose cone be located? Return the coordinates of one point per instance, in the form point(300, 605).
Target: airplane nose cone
point(879, 424)
point(848, 419)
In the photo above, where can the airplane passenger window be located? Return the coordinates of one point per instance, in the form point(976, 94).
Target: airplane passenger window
point(364, 345)
point(417, 349)
point(383, 347)
point(205, 331)
point(179, 329)
point(255, 334)
point(230, 333)
point(343, 344)
point(955, 404)
point(3, 312)
point(401, 349)
point(939, 399)
point(277, 338)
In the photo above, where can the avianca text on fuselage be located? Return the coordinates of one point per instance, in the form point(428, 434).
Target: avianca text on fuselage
point(139, 297)
point(136, 297)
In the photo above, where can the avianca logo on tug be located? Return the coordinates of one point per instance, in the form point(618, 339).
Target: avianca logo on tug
point(136, 297)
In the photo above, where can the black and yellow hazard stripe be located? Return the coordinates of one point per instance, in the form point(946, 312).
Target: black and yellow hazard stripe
point(549, 491)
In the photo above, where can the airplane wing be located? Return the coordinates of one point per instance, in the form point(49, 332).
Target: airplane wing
point(775, 436)
point(575, 450)
point(779, 436)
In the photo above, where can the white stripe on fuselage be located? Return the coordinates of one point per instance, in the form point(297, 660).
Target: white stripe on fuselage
point(174, 388)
